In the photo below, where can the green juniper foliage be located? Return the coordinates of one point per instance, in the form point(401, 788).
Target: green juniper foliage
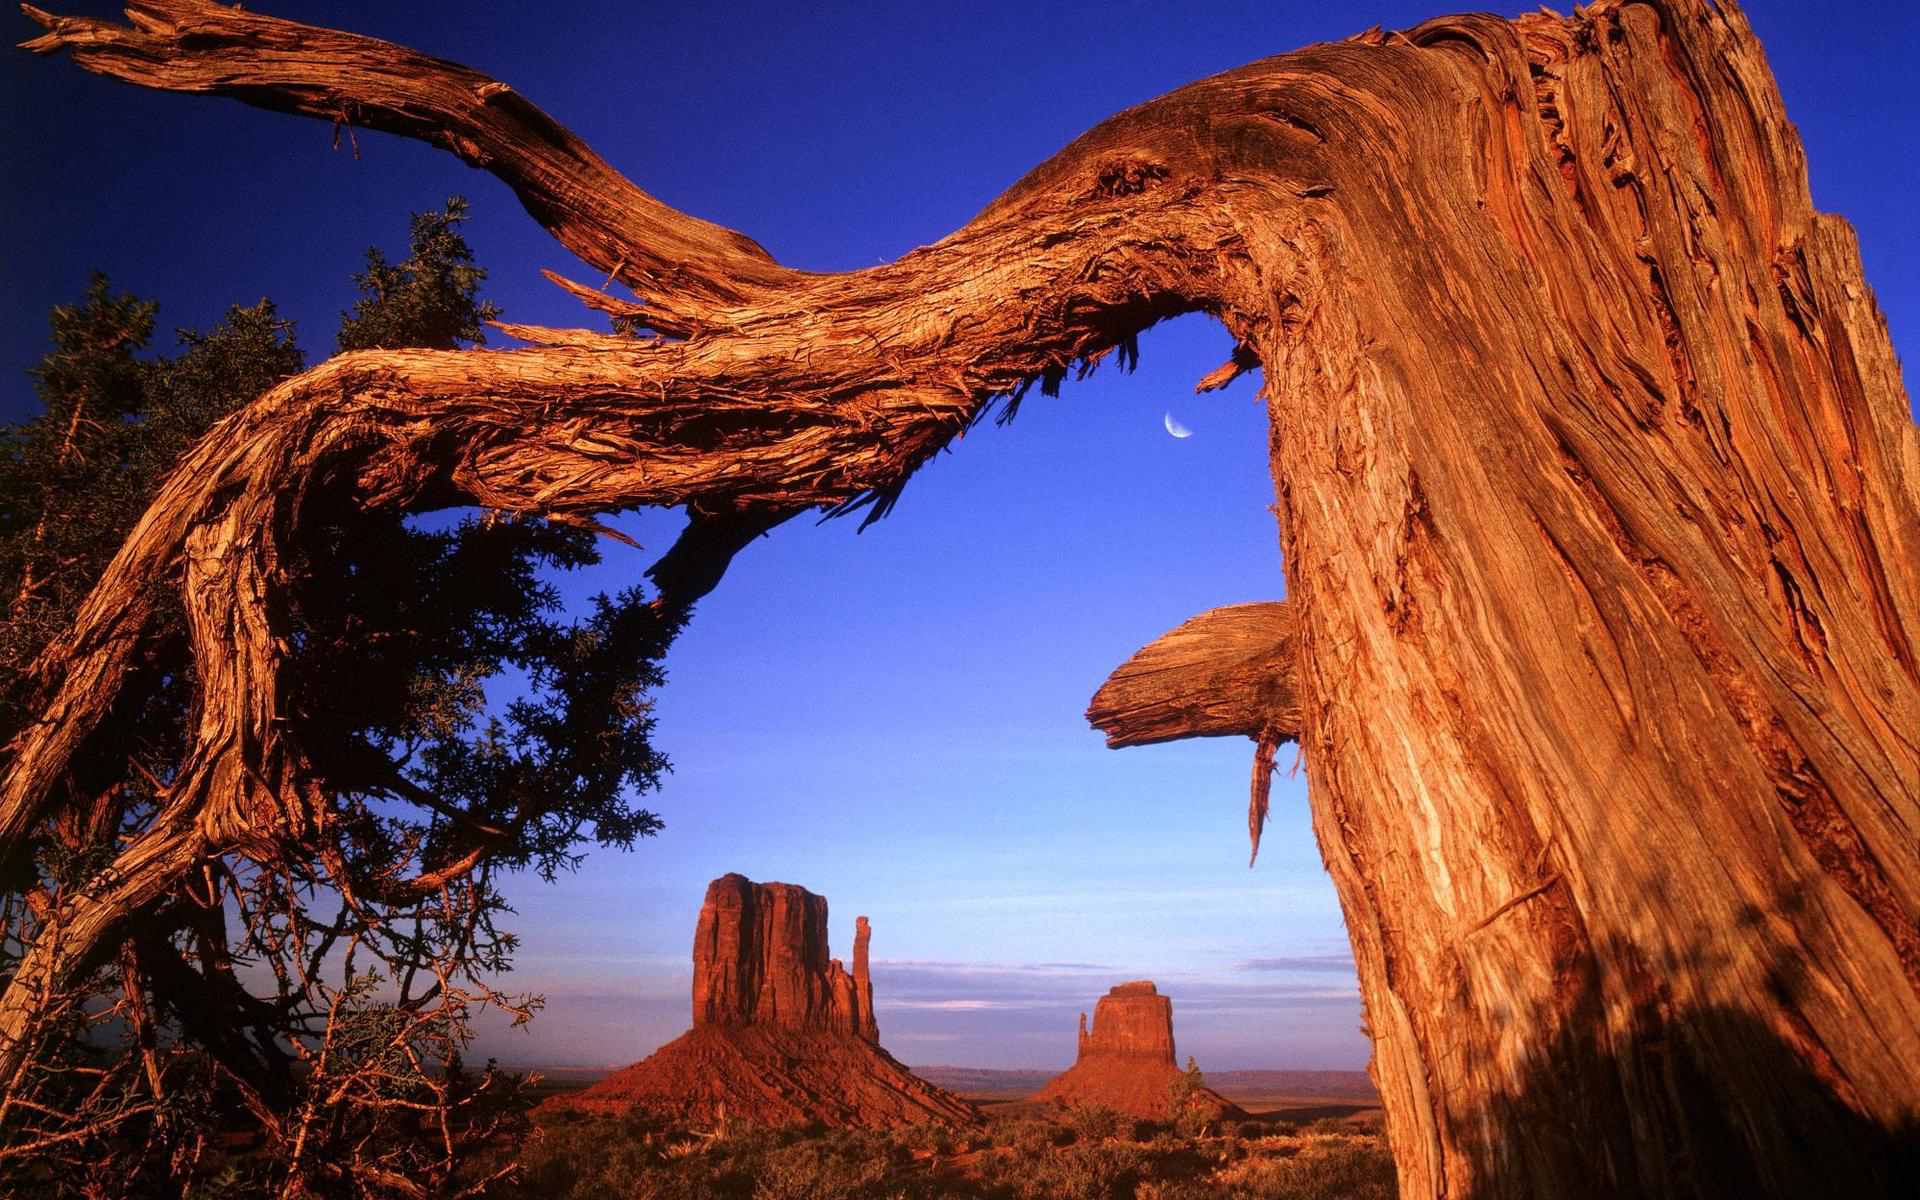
point(293, 1023)
point(430, 301)
point(1186, 1101)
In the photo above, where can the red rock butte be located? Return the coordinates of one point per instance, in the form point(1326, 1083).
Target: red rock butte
point(1126, 1062)
point(781, 1032)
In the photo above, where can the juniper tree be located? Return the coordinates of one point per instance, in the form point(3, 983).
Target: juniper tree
point(313, 998)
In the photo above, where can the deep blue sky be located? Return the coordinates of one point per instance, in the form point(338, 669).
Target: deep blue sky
point(893, 718)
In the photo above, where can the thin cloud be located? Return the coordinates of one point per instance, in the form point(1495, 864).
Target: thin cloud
point(1300, 962)
point(962, 987)
point(919, 964)
point(1191, 900)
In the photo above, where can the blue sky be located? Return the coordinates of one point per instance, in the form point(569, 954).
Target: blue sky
point(890, 718)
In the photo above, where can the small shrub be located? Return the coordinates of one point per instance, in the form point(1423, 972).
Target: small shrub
point(1097, 1123)
point(820, 1171)
point(1030, 1136)
point(585, 1159)
point(1109, 1171)
point(1330, 1170)
point(1164, 1141)
point(1020, 1159)
point(1177, 1189)
point(930, 1138)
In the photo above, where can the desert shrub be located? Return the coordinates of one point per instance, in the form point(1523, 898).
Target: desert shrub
point(1029, 1136)
point(1171, 1159)
point(929, 1138)
point(640, 1158)
point(1177, 1189)
point(643, 1159)
point(1084, 1171)
point(1097, 1123)
point(829, 1169)
point(1335, 1126)
point(967, 1141)
point(1329, 1170)
point(1282, 1129)
point(598, 1159)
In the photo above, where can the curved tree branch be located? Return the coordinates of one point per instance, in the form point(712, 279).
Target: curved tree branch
point(590, 208)
point(824, 391)
point(829, 394)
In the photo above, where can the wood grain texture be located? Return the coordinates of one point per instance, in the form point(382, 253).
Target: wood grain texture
point(1227, 671)
point(1596, 484)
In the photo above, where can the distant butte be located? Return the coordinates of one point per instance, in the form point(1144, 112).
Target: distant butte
point(1126, 1060)
point(781, 1033)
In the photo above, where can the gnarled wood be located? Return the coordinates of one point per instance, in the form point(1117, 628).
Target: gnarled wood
point(827, 390)
point(590, 208)
point(1596, 484)
point(1227, 671)
point(1223, 673)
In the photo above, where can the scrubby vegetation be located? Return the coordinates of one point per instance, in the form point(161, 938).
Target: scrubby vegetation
point(1089, 1155)
point(293, 1024)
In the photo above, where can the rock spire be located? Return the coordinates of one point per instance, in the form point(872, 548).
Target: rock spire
point(1126, 1061)
point(781, 1031)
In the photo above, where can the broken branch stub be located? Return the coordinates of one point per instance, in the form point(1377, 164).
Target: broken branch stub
point(1227, 672)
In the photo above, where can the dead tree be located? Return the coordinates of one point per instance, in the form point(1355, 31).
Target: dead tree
point(1596, 484)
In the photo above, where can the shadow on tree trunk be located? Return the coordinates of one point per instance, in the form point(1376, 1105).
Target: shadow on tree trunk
point(1772, 1127)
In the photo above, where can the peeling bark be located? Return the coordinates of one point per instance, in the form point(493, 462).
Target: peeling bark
point(1596, 484)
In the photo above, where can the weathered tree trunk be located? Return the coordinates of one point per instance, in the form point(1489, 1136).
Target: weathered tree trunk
point(1597, 494)
point(1597, 486)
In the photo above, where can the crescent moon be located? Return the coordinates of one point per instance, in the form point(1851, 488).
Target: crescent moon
point(1176, 428)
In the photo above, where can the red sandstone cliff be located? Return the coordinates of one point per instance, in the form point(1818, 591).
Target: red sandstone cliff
point(760, 958)
point(781, 1032)
point(1126, 1061)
